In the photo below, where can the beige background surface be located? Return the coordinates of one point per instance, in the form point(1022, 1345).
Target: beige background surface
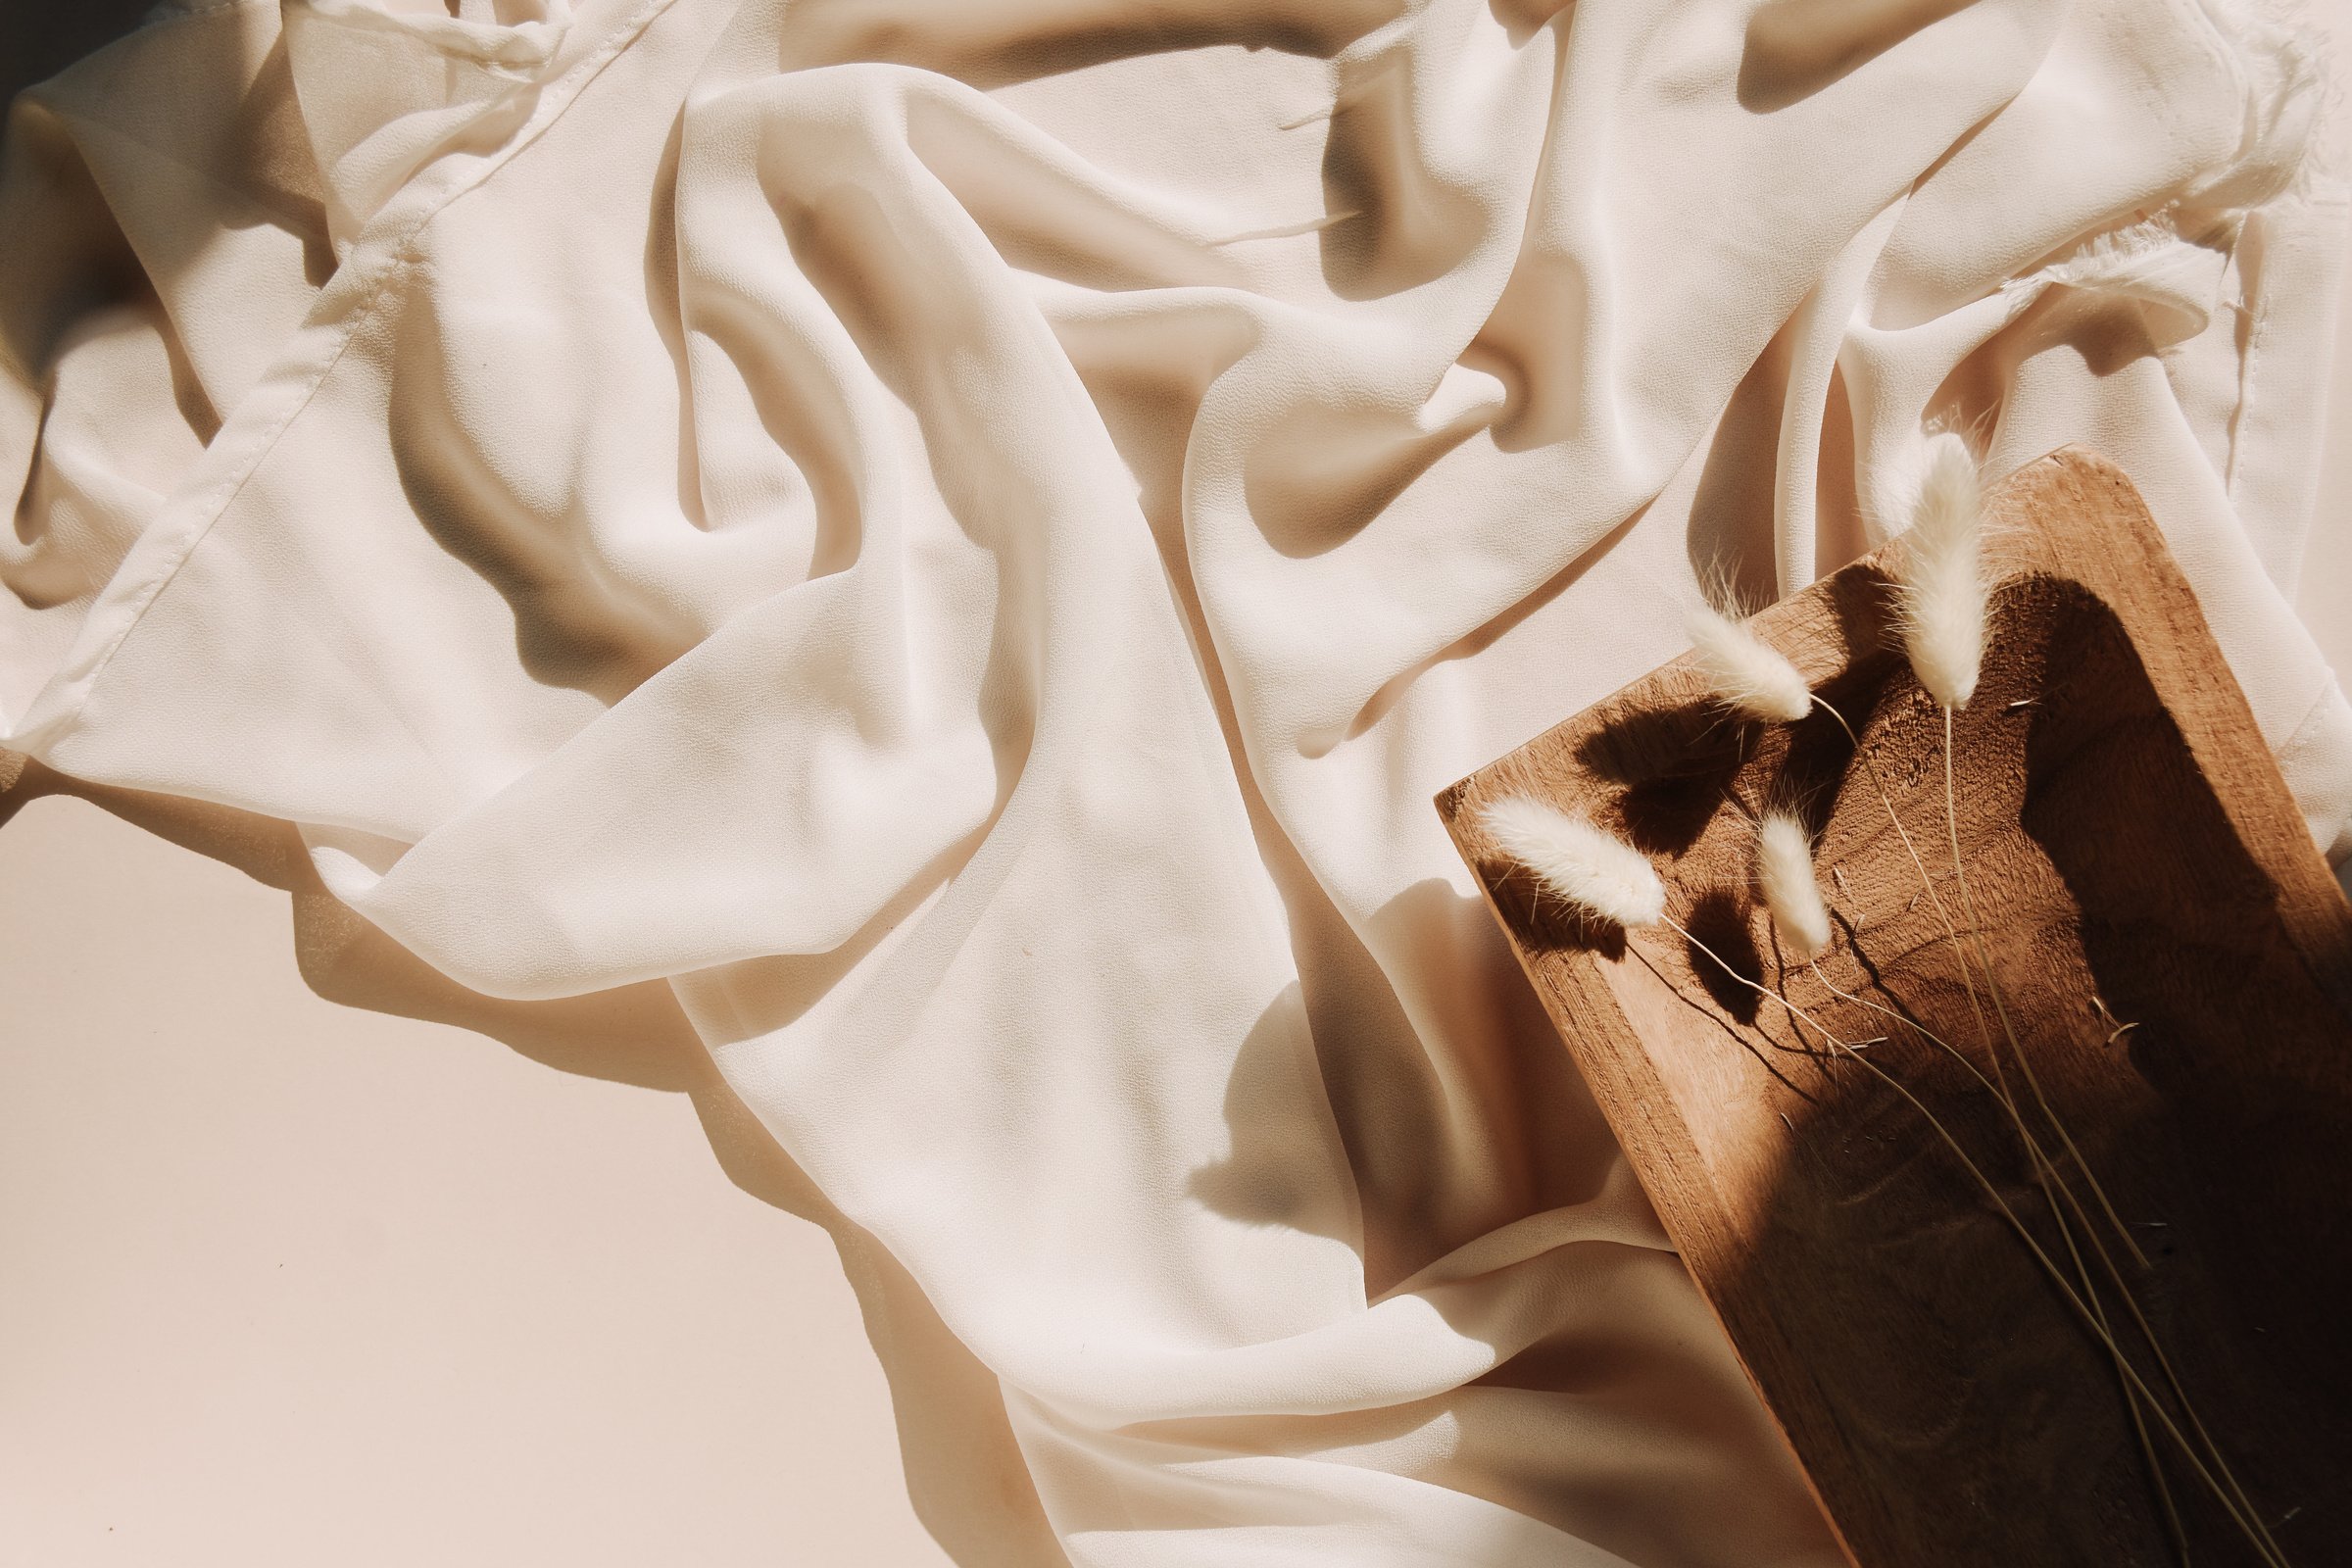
point(283, 1282)
point(288, 1283)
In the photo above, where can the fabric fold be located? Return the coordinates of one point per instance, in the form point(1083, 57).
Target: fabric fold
point(385, 90)
point(965, 543)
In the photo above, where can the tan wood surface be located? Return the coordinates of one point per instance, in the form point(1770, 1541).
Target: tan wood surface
point(2136, 859)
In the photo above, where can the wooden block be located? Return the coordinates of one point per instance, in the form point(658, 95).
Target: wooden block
point(2135, 858)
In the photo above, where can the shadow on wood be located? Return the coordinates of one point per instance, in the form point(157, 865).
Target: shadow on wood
point(2176, 961)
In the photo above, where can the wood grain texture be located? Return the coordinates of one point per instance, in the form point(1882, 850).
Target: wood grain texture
point(2135, 858)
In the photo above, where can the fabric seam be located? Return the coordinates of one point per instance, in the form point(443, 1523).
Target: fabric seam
point(393, 256)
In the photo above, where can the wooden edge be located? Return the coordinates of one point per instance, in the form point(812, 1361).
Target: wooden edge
point(2129, 566)
point(1605, 1047)
point(2112, 548)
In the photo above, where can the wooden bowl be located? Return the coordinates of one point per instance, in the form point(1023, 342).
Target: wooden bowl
point(2176, 961)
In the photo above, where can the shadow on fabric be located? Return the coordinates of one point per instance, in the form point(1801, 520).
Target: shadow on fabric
point(635, 1035)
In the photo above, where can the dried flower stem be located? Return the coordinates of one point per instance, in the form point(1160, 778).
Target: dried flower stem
point(2047, 1174)
point(2172, 1377)
point(1944, 614)
point(1944, 607)
point(2052, 1184)
point(1752, 679)
point(2259, 1532)
point(1976, 930)
point(2114, 1350)
point(2243, 1515)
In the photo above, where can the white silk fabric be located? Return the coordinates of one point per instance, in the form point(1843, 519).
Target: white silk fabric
point(962, 535)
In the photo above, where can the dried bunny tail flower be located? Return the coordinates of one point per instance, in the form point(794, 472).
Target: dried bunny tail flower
point(1943, 593)
point(1741, 672)
point(1785, 867)
point(1577, 861)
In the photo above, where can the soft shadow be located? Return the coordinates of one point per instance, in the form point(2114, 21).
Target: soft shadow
point(575, 624)
point(1396, 222)
point(1545, 921)
point(664, 308)
point(286, 189)
point(1320, 474)
point(1456, 1116)
point(38, 42)
point(1796, 48)
point(1731, 535)
point(1522, 20)
point(1691, 739)
point(1487, 632)
point(632, 1035)
point(2182, 931)
point(1719, 919)
point(1269, 1178)
point(1676, 765)
point(994, 43)
point(1667, 814)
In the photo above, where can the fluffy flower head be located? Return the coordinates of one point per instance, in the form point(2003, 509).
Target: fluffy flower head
point(1785, 867)
point(1942, 593)
point(1741, 672)
point(1574, 860)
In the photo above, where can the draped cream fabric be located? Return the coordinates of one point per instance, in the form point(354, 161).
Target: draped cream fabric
point(963, 534)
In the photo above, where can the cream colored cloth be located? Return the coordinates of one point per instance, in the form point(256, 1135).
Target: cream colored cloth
point(965, 533)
